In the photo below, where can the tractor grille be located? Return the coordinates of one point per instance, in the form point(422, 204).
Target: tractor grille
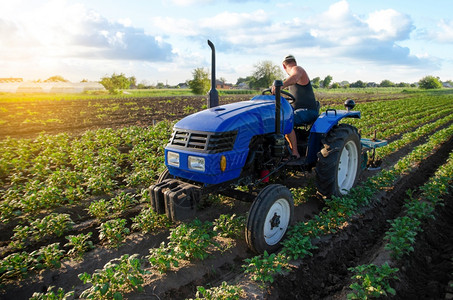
point(203, 141)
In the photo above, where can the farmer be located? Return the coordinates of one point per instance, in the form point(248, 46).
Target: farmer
point(305, 107)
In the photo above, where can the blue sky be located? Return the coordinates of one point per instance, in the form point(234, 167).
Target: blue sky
point(165, 40)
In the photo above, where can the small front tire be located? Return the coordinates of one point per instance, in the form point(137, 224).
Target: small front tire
point(269, 218)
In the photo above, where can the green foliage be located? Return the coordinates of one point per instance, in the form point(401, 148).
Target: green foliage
point(298, 245)
point(372, 281)
point(118, 276)
point(358, 84)
point(39, 229)
point(231, 226)
point(192, 239)
point(163, 258)
point(430, 82)
point(264, 267)
point(200, 83)
point(316, 82)
point(80, 244)
point(53, 295)
point(401, 236)
point(15, 265)
point(186, 242)
point(48, 256)
point(100, 209)
point(223, 292)
point(264, 75)
point(386, 83)
point(122, 201)
point(326, 82)
point(148, 220)
point(114, 232)
point(115, 83)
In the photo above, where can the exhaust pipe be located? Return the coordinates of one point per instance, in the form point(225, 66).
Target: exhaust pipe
point(213, 95)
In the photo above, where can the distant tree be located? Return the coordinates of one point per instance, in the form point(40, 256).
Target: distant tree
point(327, 80)
point(335, 85)
point(115, 83)
point(241, 80)
point(56, 78)
point(386, 83)
point(345, 84)
point(403, 84)
point(430, 82)
point(84, 80)
point(132, 82)
point(315, 82)
point(358, 84)
point(200, 84)
point(265, 74)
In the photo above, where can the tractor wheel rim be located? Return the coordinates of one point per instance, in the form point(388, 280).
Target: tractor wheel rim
point(277, 220)
point(347, 167)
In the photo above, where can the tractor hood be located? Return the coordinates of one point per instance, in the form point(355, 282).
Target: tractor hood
point(200, 142)
point(255, 116)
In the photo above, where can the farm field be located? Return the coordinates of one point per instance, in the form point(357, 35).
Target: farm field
point(74, 212)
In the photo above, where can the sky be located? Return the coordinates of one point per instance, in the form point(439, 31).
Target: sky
point(163, 41)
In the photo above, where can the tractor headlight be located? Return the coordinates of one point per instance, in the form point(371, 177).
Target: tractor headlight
point(196, 163)
point(173, 159)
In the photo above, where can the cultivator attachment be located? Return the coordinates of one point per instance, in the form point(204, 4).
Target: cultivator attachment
point(175, 198)
point(371, 145)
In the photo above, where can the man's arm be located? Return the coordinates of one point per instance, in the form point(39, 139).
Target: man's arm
point(294, 77)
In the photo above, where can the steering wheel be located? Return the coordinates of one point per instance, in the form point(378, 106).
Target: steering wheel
point(291, 99)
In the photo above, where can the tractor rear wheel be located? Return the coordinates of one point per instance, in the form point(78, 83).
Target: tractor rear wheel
point(339, 162)
point(269, 218)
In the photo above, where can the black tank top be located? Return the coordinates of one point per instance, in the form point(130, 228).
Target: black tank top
point(305, 97)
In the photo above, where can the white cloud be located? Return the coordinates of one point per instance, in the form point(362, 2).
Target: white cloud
point(58, 28)
point(390, 25)
point(443, 32)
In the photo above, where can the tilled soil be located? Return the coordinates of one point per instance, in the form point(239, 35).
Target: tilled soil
point(424, 276)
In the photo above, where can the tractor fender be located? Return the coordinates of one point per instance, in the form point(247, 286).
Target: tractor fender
point(323, 125)
point(330, 118)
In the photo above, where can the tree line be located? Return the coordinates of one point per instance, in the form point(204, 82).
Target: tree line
point(263, 76)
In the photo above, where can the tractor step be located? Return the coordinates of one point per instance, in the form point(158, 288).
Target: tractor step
point(175, 198)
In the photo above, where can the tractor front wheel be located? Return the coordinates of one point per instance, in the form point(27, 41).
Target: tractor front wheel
point(339, 162)
point(269, 218)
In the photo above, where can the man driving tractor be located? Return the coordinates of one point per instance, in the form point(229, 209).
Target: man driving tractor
point(305, 106)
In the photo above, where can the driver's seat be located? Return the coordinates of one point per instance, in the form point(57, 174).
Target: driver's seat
point(307, 126)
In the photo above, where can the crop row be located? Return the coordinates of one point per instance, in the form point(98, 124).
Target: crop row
point(52, 171)
point(372, 281)
point(395, 117)
point(186, 242)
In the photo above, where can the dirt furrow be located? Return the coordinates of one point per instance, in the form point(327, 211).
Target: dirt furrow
point(326, 273)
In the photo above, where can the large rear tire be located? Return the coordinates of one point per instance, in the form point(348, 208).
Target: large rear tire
point(339, 162)
point(269, 218)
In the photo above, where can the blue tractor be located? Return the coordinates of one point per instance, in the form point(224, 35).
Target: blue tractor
point(242, 144)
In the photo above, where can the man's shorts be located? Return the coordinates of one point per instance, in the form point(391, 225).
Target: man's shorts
point(304, 116)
